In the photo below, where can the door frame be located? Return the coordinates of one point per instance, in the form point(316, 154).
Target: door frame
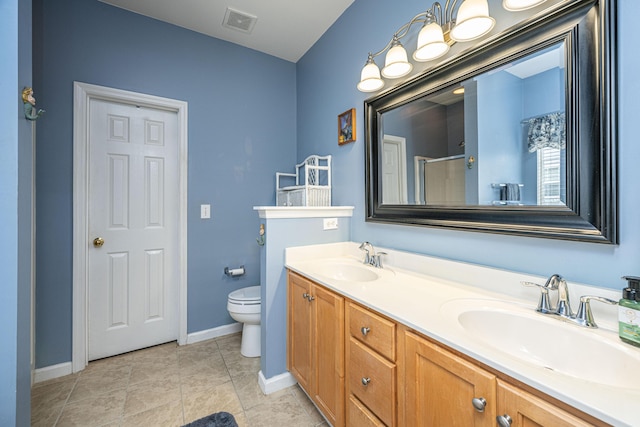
point(83, 93)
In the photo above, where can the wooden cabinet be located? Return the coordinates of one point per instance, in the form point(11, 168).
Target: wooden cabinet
point(371, 368)
point(527, 410)
point(362, 369)
point(440, 387)
point(315, 353)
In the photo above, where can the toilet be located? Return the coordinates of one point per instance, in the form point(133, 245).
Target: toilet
point(244, 307)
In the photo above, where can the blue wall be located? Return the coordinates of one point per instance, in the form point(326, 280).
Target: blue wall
point(9, 114)
point(499, 114)
point(327, 78)
point(242, 122)
point(15, 217)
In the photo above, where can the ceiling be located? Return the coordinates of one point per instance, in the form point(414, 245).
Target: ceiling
point(283, 28)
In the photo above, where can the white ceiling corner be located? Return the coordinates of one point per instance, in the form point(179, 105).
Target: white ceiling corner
point(284, 28)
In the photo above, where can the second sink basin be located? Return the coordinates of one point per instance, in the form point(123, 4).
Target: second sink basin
point(546, 341)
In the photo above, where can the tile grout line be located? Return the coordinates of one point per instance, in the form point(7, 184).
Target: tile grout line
point(75, 383)
point(233, 384)
point(126, 392)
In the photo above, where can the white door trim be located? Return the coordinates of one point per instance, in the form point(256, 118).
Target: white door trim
point(82, 94)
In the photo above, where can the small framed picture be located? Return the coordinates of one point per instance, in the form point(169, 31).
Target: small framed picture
point(347, 126)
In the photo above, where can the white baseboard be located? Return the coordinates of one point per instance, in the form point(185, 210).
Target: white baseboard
point(208, 334)
point(53, 371)
point(275, 383)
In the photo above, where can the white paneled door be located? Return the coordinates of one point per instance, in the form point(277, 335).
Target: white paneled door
point(133, 289)
point(394, 166)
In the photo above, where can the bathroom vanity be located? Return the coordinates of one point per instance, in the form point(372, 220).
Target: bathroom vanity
point(396, 346)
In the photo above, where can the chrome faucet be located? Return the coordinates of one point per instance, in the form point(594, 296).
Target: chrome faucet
point(583, 317)
point(370, 256)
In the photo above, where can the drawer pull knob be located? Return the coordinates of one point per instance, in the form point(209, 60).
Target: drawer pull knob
point(364, 330)
point(504, 420)
point(305, 295)
point(479, 403)
point(311, 297)
point(366, 381)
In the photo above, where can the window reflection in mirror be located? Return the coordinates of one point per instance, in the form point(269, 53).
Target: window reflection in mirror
point(497, 139)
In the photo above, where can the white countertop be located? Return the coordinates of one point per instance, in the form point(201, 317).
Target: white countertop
point(412, 290)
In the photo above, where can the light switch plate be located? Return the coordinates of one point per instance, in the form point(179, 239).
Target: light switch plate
point(330, 223)
point(205, 211)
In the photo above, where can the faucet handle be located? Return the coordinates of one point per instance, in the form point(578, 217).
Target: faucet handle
point(584, 316)
point(544, 306)
point(377, 260)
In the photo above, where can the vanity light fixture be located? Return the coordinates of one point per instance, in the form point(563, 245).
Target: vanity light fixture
point(517, 5)
point(441, 28)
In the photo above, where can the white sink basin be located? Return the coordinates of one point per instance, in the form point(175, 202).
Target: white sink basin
point(547, 341)
point(346, 271)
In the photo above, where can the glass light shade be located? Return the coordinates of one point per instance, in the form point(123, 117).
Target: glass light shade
point(370, 80)
point(431, 44)
point(396, 63)
point(516, 5)
point(473, 21)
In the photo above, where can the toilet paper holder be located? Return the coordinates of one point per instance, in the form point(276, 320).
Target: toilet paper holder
point(234, 272)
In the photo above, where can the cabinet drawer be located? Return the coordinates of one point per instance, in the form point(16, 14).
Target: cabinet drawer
point(373, 330)
point(372, 379)
point(359, 415)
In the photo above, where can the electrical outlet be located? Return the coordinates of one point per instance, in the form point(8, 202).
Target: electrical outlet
point(330, 223)
point(205, 211)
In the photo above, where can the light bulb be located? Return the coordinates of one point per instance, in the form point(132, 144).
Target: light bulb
point(431, 44)
point(473, 21)
point(396, 63)
point(370, 80)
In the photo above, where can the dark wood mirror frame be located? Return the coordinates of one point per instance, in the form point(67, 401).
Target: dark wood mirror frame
point(588, 29)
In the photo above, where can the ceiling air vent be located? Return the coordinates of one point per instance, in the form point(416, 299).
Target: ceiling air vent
point(240, 21)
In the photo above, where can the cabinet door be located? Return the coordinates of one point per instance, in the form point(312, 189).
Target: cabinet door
point(328, 309)
point(527, 410)
point(440, 387)
point(299, 360)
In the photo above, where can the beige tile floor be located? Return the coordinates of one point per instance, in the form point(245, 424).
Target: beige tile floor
point(169, 385)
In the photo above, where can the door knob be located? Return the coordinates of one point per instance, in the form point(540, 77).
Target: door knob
point(98, 242)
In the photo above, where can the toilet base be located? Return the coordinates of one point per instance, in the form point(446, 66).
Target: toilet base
point(250, 346)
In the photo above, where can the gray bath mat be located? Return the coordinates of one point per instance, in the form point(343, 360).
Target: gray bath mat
point(219, 419)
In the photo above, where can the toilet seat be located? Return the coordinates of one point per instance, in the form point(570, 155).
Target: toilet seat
point(245, 296)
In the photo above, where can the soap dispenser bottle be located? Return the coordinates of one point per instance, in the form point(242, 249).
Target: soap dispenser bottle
point(629, 312)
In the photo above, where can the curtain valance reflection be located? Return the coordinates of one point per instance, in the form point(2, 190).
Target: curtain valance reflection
point(547, 131)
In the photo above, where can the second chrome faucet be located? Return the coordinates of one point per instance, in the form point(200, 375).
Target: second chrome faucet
point(583, 317)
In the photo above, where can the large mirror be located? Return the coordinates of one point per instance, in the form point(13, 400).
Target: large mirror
point(516, 136)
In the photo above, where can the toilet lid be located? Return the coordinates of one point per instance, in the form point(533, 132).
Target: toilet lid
point(251, 293)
